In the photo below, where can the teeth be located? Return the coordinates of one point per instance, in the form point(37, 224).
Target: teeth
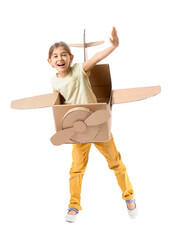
point(60, 64)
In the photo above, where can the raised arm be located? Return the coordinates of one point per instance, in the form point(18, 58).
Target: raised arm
point(88, 65)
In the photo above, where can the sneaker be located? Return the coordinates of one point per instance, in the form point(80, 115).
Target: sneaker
point(132, 212)
point(71, 217)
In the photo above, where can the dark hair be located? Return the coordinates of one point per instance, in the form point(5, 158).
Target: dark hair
point(56, 45)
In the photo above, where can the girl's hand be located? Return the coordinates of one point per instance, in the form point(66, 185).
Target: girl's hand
point(114, 38)
point(89, 64)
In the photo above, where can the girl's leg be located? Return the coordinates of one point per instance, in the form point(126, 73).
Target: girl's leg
point(80, 154)
point(113, 157)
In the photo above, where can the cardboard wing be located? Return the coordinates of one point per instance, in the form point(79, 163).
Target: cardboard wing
point(118, 96)
point(46, 100)
point(134, 94)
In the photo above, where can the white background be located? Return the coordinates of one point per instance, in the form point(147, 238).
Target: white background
point(34, 174)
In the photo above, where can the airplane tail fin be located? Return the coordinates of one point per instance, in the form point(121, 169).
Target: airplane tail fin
point(90, 44)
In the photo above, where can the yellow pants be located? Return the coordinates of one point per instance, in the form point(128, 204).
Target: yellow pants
point(80, 159)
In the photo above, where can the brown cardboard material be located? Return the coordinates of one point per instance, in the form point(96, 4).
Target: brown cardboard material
point(66, 116)
point(40, 101)
point(90, 44)
point(82, 123)
point(134, 94)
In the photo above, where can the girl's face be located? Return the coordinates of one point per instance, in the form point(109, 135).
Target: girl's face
point(61, 61)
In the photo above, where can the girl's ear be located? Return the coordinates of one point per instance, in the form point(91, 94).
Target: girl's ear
point(71, 57)
point(50, 62)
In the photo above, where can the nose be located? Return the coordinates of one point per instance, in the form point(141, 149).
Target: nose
point(59, 57)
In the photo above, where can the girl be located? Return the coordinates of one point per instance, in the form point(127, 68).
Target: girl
point(73, 84)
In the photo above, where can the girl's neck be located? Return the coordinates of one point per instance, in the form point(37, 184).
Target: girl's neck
point(63, 74)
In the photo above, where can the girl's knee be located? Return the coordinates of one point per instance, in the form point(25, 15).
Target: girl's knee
point(115, 163)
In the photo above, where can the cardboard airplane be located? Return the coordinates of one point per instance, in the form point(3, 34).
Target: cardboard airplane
point(83, 123)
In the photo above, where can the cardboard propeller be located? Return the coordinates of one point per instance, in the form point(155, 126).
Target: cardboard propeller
point(83, 125)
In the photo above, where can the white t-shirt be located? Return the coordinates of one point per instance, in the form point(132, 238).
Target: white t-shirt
point(75, 87)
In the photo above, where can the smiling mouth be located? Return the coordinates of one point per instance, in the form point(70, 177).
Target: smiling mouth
point(60, 64)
